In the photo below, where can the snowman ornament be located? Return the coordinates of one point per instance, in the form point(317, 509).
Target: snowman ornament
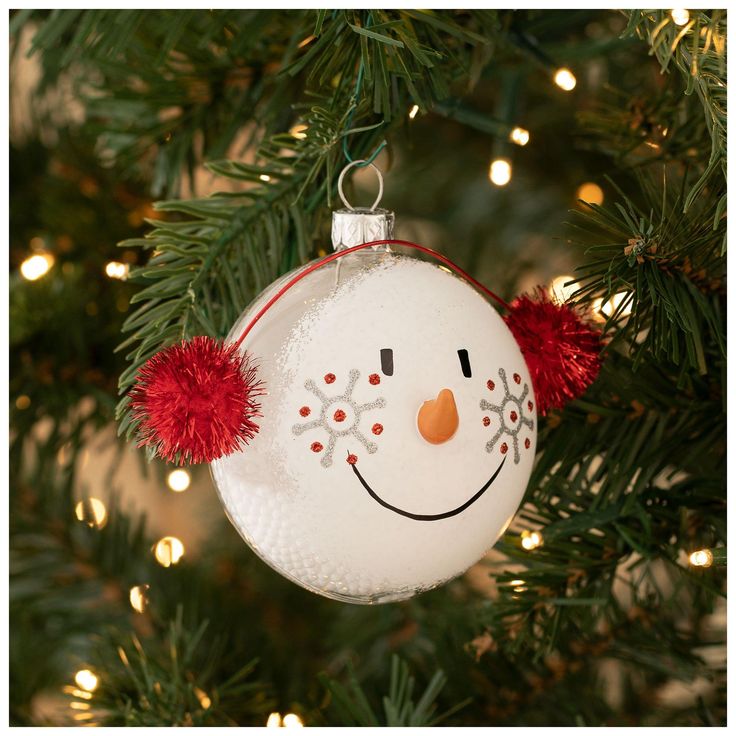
point(398, 424)
point(390, 435)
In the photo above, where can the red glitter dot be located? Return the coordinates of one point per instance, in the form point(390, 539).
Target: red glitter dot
point(529, 405)
point(377, 428)
point(305, 411)
point(517, 378)
point(374, 379)
point(352, 459)
point(490, 385)
point(514, 416)
point(486, 421)
point(527, 443)
point(316, 447)
point(339, 415)
point(504, 448)
point(330, 378)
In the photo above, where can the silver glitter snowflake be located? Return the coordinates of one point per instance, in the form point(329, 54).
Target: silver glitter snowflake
point(511, 417)
point(339, 417)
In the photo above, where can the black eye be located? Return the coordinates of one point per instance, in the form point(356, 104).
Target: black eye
point(387, 361)
point(465, 363)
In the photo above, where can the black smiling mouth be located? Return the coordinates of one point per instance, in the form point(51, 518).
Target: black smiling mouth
point(427, 517)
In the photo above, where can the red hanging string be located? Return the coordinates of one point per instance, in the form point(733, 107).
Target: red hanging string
point(340, 253)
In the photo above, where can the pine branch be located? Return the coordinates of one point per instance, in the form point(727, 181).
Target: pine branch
point(698, 51)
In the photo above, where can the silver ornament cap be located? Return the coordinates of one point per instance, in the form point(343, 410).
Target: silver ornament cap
point(356, 225)
point(361, 225)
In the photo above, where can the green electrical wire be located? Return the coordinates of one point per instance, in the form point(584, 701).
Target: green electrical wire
point(358, 85)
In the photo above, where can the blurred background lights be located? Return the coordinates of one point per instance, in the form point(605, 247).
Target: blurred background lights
point(36, 266)
point(86, 680)
point(117, 270)
point(168, 551)
point(519, 136)
point(680, 16)
point(558, 289)
point(590, 192)
point(178, 480)
point(500, 172)
point(701, 558)
point(413, 112)
point(531, 539)
point(139, 597)
point(274, 720)
point(264, 177)
point(92, 512)
point(565, 79)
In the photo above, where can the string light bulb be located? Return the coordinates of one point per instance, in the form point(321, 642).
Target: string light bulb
point(117, 270)
point(299, 131)
point(36, 266)
point(264, 177)
point(565, 79)
point(500, 172)
point(413, 112)
point(204, 699)
point(168, 551)
point(178, 480)
point(701, 558)
point(520, 136)
point(680, 16)
point(92, 512)
point(561, 290)
point(290, 720)
point(139, 597)
point(611, 306)
point(87, 680)
point(590, 192)
point(531, 539)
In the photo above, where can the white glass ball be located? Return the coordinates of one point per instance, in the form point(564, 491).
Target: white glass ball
point(340, 491)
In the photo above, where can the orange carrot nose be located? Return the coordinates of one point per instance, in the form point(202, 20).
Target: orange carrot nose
point(438, 420)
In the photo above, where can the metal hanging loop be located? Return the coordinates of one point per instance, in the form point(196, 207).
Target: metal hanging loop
point(358, 162)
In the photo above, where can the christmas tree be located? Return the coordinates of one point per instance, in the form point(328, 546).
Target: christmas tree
point(167, 165)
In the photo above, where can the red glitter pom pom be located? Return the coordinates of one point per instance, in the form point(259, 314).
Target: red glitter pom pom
point(561, 351)
point(195, 401)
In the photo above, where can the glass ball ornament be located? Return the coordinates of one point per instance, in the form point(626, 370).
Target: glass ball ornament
point(398, 426)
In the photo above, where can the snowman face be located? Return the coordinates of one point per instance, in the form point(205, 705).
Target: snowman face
point(398, 431)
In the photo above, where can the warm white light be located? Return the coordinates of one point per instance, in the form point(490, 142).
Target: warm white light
point(178, 480)
point(117, 270)
point(264, 177)
point(139, 597)
point(36, 266)
point(519, 136)
point(413, 112)
point(168, 551)
point(531, 539)
point(701, 558)
point(87, 680)
point(558, 289)
point(680, 16)
point(590, 192)
point(299, 131)
point(565, 79)
point(611, 306)
point(500, 172)
point(274, 720)
point(92, 512)
point(204, 699)
point(292, 720)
